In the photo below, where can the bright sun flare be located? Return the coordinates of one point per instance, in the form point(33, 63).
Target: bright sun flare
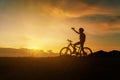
point(33, 47)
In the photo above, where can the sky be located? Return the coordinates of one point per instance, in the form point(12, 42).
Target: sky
point(46, 24)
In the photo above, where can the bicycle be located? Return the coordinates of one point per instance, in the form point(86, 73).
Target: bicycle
point(78, 52)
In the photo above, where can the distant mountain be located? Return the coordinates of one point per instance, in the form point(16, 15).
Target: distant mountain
point(23, 52)
point(12, 52)
point(101, 53)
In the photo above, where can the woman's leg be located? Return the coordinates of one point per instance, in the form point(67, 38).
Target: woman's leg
point(82, 48)
point(77, 43)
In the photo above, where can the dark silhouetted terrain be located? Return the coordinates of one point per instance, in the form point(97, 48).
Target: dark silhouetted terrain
point(101, 53)
point(99, 66)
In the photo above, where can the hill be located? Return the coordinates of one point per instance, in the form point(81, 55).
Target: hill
point(101, 53)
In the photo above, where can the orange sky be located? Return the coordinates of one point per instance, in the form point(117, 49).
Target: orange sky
point(46, 24)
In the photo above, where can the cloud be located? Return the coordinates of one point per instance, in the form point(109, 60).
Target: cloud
point(106, 12)
point(103, 12)
point(83, 7)
point(99, 18)
point(101, 2)
point(69, 8)
point(97, 23)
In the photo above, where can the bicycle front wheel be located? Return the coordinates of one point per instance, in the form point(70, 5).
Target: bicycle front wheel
point(65, 51)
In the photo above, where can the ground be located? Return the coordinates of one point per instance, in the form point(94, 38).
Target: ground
point(59, 68)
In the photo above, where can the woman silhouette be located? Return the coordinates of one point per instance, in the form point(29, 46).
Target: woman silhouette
point(82, 38)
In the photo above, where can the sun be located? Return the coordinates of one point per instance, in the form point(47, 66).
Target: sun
point(33, 44)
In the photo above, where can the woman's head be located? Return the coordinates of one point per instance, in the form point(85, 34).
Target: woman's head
point(81, 30)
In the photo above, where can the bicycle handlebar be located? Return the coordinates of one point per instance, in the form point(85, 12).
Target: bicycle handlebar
point(69, 40)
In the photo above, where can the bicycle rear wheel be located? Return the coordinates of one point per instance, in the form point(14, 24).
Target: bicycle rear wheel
point(87, 51)
point(65, 51)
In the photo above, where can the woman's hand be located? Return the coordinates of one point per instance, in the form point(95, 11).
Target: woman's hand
point(73, 28)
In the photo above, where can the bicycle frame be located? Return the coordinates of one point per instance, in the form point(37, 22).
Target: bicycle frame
point(72, 45)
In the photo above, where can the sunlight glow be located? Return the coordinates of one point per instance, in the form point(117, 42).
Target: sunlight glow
point(33, 47)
